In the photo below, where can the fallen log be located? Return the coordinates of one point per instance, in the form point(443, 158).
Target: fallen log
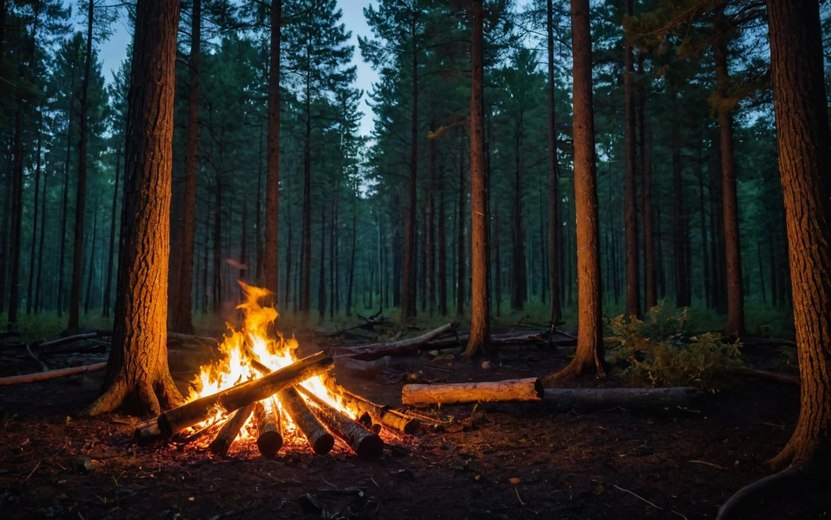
point(364, 442)
point(527, 389)
point(176, 419)
point(622, 397)
point(67, 339)
point(766, 374)
point(229, 431)
point(269, 428)
point(378, 350)
point(51, 374)
point(537, 338)
point(319, 439)
point(382, 414)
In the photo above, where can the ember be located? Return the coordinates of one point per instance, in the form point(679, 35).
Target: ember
point(260, 390)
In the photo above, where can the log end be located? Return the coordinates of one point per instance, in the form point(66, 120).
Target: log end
point(370, 448)
point(269, 443)
point(323, 444)
point(220, 447)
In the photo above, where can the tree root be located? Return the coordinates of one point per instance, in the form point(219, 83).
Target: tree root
point(788, 481)
point(143, 398)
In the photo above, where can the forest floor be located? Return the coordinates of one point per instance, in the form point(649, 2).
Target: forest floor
point(506, 460)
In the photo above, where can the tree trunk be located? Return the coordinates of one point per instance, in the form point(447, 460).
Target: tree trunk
point(479, 312)
point(804, 159)
point(442, 247)
point(65, 197)
point(182, 295)
point(81, 188)
point(589, 354)
point(408, 277)
point(105, 308)
point(321, 281)
point(680, 236)
point(15, 242)
point(306, 238)
point(519, 285)
point(270, 260)
point(732, 247)
point(460, 235)
point(138, 377)
point(37, 226)
point(630, 198)
point(555, 312)
point(91, 259)
point(43, 215)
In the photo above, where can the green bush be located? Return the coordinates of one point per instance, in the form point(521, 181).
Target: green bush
point(661, 351)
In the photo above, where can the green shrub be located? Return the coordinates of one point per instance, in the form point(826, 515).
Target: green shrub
point(661, 351)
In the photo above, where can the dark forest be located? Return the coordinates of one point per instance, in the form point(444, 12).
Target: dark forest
point(602, 198)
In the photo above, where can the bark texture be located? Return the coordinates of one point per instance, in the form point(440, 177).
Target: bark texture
point(138, 377)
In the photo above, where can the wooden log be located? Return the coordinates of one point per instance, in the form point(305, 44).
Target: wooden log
point(766, 374)
point(622, 397)
point(319, 439)
point(176, 419)
point(269, 428)
point(364, 442)
point(382, 414)
point(147, 430)
point(51, 374)
point(67, 339)
point(527, 389)
point(404, 346)
point(230, 430)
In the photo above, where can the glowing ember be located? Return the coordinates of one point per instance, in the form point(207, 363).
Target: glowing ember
point(246, 353)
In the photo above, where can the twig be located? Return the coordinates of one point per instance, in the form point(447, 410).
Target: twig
point(638, 497)
point(34, 469)
point(521, 502)
point(707, 463)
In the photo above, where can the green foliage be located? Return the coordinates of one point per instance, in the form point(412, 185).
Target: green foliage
point(658, 351)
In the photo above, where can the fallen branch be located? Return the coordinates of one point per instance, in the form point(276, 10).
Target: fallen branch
point(51, 374)
point(67, 339)
point(625, 397)
point(176, 419)
point(773, 376)
point(527, 389)
point(377, 350)
point(381, 414)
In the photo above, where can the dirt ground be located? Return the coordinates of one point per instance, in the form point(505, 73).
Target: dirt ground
point(489, 461)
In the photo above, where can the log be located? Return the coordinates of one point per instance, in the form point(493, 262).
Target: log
point(382, 414)
point(269, 428)
point(319, 439)
point(364, 442)
point(51, 374)
point(766, 374)
point(229, 431)
point(527, 389)
point(176, 419)
point(67, 339)
point(622, 397)
point(404, 346)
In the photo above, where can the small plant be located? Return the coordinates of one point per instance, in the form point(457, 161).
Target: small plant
point(659, 351)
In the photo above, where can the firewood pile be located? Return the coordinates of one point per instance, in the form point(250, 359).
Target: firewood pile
point(270, 401)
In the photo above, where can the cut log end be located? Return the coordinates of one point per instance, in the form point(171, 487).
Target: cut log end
point(370, 447)
point(269, 443)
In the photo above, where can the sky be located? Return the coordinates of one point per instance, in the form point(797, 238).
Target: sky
point(114, 51)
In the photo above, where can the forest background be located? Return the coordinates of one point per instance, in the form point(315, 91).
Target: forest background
point(381, 219)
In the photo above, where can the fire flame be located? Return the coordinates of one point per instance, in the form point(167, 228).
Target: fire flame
point(256, 344)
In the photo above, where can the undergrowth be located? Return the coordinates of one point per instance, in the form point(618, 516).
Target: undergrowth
point(661, 350)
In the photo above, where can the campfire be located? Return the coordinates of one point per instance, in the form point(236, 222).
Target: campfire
point(260, 390)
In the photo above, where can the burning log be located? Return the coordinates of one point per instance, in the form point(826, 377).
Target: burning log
point(319, 439)
point(378, 350)
point(230, 430)
point(176, 419)
point(269, 431)
point(528, 389)
point(383, 414)
point(365, 443)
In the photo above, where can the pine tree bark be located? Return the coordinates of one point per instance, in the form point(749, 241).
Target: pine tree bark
point(680, 240)
point(270, 260)
point(519, 286)
point(181, 319)
point(37, 227)
point(138, 378)
point(105, 307)
point(408, 293)
point(589, 354)
point(479, 312)
point(460, 235)
point(555, 251)
point(81, 188)
point(630, 202)
point(732, 247)
point(804, 147)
